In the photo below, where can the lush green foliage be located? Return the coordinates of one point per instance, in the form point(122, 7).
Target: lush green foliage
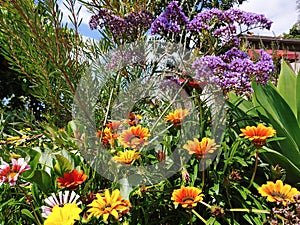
point(56, 65)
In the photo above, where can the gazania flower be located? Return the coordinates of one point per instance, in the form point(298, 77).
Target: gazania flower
point(201, 149)
point(113, 125)
point(63, 198)
point(277, 192)
point(127, 157)
point(134, 137)
point(11, 175)
point(108, 205)
point(65, 215)
point(71, 180)
point(133, 119)
point(258, 135)
point(177, 116)
point(188, 197)
point(108, 136)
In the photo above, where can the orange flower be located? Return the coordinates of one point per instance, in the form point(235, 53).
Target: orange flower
point(127, 157)
point(113, 125)
point(133, 119)
point(107, 136)
point(258, 135)
point(71, 180)
point(134, 137)
point(108, 205)
point(277, 192)
point(188, 197)
point(177, 116)
point(202, 148)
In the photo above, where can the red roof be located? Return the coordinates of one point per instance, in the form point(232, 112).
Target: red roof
point(277, 53)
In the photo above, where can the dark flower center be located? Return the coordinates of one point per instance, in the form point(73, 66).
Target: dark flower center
point(278, 194)
point(187, 198)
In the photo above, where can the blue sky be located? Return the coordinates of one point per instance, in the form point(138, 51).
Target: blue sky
point(283, 13)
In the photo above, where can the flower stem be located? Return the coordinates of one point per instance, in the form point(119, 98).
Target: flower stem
point(200, 217)
point(249, 210)
point(203, 173)
point(191, 217)
point(254, 171)
point(207, 205)
point(30, 202)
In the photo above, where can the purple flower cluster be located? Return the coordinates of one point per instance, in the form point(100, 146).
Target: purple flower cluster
point(234, 70)
point(223, 25)
point(128, 26)
point(290, 212)
point(170, 20)
point(226, 25)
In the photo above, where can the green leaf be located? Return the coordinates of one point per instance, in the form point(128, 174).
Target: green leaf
point(43, 180)
point(27, 213)
point(298, 98)
point(281, 117)
point(62, 165)
point(274, 158)
point(287, 86)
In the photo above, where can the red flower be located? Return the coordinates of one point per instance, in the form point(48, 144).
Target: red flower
point(71, 180)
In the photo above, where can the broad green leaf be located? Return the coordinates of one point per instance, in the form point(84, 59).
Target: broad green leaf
point(298, 98)
point(287, 86)
point(62, 165)
point(43, 180)
point(274, 158)
point(241, 103)
point(282, 118)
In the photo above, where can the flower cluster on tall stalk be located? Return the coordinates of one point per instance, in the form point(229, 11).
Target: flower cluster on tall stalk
point(234, 70)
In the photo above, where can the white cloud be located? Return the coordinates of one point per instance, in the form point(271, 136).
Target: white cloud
point(283, 13)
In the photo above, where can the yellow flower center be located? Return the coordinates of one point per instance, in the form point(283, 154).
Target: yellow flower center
point(11, 175)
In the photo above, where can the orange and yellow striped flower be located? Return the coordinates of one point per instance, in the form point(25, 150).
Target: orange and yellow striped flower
point(71, 180)
point(258, 135)
point(201, 148)
point(135, 136)
point(127, 157)
point(188, 197)
point(177, 117)
point(277, 192)
point(108, 205)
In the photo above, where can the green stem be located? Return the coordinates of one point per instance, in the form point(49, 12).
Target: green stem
point(249, 210)
point(254, 171)
point(31, 205)
point(191, 217)
point(200, 217)
point(207, 205)
point(203, 172)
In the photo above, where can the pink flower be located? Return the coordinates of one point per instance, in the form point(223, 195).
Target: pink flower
point(11, 175)
point(62, 199)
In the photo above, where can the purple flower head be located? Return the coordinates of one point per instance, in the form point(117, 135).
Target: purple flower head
point(129, 26)
point(234, 70)
point(170, 20)
point(228, 24)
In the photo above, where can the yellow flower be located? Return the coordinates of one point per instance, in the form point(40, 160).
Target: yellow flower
point(134, 137)
point(177, 117)
point(108, 205)
point(127, 157)
point(65, 215)
point(202, 148)
point(277, 192)
point(188, 197)
point(258, 135)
